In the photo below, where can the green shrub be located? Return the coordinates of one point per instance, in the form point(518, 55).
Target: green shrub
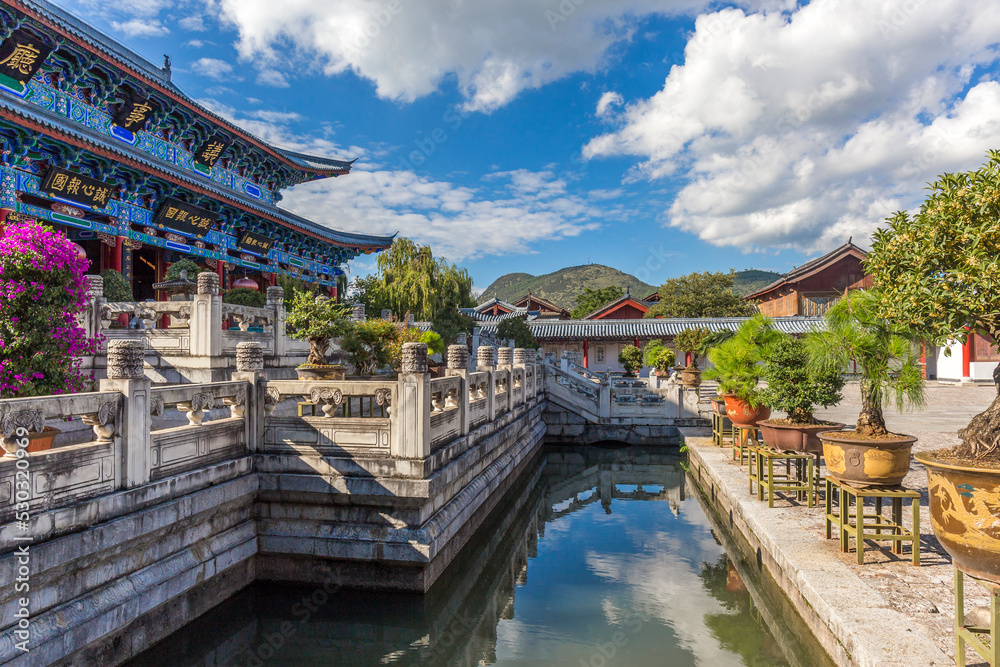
point(630, 358)
point(519, 330)
point(658, 356)
point(792, 386)
point(174, 270)
point(116, 286)
point(244, 296)
point(434, 342)
point(692, 340)
point(318, 320)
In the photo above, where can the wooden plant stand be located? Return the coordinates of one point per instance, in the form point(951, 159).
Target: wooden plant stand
point(722, 429)
point(861, 525)
point(798, 475)
point(983, 640)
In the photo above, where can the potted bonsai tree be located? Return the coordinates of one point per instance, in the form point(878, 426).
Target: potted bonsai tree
point(889, 361)
point(937, 270)
point(318, 320)
point(371, 345)
point(691, 341)
point(658, 357)
point(42, 293)
point(630, 358)
point(796, 389)
point(736, 366)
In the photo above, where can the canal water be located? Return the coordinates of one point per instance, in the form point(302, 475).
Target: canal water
point(603, 556)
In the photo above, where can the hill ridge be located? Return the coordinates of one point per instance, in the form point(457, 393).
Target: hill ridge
point(562, 286)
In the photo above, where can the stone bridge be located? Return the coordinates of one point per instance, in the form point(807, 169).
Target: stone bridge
point(373, 483)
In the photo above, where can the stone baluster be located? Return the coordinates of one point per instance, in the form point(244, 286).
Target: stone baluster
point(206, 317)
point(505, 357)
point(276, 303)
point(126, 376)
point(256, 406)
point(91, 317)
point(359, 313)
point(410, 419)
point(485, 358)
point(458, 366)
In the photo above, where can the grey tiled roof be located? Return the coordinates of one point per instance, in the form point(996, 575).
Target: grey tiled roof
point(651, 328)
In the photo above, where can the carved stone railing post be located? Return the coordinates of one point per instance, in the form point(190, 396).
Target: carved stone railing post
point(411, 423)
point(126, 375)
point(250, 367)
point(276, 302)
point(505, 357)
point(359, 313)
point(206, 317)
point(91, 317)
point(485, 358)
point(458, 365)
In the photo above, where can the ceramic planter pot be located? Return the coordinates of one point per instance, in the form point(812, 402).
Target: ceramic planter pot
point(866, 462)
point(741, 414)
point(719, 404)
point(795, 437)
point(691, 377)
point(37, 442)
point(320, 372)
point(963, 502)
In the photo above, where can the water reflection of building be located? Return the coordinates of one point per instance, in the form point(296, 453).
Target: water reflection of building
point(581, 477)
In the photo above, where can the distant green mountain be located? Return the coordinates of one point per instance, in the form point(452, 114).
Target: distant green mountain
point(561, 287)
point(751, 280)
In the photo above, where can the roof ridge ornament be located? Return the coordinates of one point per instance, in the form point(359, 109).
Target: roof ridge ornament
point(166, 66)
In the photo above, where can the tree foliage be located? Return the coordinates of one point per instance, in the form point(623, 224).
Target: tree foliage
point(42, 293)
point(659, 356)
point(692, 340)
point(792, 386)
point(938, 271)
point(591, 299)
point(449, 323)
point(700, 295)
point(736, 362)
point(174, 270)
point(630, 358)
point(433, 341)
point(116, 286)
point(517, 329)
point(411, 280)
point(372, 345)
point(293, 285)
point(319, 320)
point(244, 296)
point(887, 353)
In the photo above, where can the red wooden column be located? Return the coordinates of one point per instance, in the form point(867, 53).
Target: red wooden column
point(967, 358)
point(585, 348)
point(687, 358)
point(119, 248)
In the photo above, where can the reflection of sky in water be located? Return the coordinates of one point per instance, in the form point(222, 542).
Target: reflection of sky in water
point(643, 585)
point(632, 575)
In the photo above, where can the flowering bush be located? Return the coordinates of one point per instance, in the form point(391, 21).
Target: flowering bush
point(42, 292)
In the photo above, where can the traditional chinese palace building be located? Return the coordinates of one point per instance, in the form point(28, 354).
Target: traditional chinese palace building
point(99, 142)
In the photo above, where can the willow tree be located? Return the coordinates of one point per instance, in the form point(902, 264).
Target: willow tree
point(413, 281)
point(939, 271)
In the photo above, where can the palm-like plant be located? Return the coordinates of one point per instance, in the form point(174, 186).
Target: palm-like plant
point(736, 362)
point(887, 353)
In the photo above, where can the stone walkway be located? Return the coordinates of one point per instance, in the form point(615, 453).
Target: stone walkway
point(925, 594)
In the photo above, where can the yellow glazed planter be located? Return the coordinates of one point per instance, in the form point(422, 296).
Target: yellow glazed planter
point(866, 462)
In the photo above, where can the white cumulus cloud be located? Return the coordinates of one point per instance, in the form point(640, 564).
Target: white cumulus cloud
point(800, 129)
point(608, 100)
point(409, 47)
point(213, 68)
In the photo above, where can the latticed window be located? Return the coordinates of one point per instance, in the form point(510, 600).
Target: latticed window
point(816, 304)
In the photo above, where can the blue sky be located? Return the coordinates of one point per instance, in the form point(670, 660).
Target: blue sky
point(659, 137)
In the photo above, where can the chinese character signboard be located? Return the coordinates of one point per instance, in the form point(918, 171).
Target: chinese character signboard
point(210, 151)
point(70, 186)
point(134, 112)
point(21, 55)
point(255, 243)
point(185, 218)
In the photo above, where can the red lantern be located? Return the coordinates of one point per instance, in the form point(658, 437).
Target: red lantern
point(246, 283)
